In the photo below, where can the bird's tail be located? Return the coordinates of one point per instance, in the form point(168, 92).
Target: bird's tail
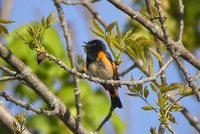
point(114, 96)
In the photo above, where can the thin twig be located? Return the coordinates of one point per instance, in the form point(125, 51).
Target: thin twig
point(7, 78)
point(105, 119)
point(158, 48)
point(88, 6)
point(102, 81)
point(161, 129)
point(181, 21)
point(71, 57)
point(169, 127)
point(67, 2)
point(191, 119)
point(28, 106)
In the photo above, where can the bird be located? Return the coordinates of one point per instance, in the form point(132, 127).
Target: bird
point(99, 64)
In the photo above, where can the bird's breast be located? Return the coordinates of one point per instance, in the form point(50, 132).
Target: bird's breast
point(103, 70)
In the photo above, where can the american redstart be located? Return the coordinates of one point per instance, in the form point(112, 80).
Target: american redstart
point(100, 64)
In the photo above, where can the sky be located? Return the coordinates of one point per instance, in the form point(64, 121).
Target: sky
point(138, 120)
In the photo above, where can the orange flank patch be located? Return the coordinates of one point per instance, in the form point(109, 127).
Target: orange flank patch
point(101, 55)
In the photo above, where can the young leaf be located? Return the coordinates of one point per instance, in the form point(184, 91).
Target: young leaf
point(133, 94)
point(148, 107)
point(110, 27)
point(157, 55)
point(154, 88)
point(96, 25)
point(172, 86)
point(50, 19)
point(175, 108)
point(6, 21)
point(3, 30)
point(151, 66)
point(146, 92)
point(171, 118)
point(97, 33)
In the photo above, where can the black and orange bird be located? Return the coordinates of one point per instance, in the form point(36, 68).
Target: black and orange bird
point(100, 64)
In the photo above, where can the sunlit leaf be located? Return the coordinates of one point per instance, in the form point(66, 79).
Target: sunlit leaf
point(172, 86)
point(3, 30)
point(98, 28)
point(110, 27)
point(156, 54)
point(148, 107)
point(133, 94)
point(146, 92)
point(154, 88)
point(171, 118)
point(5, 21)
point(176, 108)
point(151, 66)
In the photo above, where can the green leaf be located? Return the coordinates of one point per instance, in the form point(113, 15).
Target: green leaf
point(99, 29)
point(128, 34)
point(154, 88)
point(133, 94)
point(110, 27)
point(171, 118)
point(50, 19)
point(176, 108)
point(151, 66)
point(172, 86)
point(3, 30)
point(97, 33)
point(118, 32)
point(4, 21)
point(188, 92)
point(157, 55)
point(148, 107)
point(146, 92)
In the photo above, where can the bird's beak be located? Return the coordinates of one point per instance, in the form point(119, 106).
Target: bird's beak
point(85, 44)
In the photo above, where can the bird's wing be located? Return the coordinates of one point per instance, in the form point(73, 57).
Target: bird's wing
point(116, 77)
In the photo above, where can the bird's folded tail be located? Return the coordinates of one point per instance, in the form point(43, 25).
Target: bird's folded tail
point(115, 100)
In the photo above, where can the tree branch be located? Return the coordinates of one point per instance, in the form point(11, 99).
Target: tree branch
point(31, 79)
point(28, 106)
point(102, 81)
point(71, 57)
point(7, 119)
point(175, 55)
point(155, 30)
point(7, 78)
point(181, 21)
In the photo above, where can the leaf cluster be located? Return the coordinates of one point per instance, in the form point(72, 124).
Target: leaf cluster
point(36, 33)
point(3, 29)
point(18, 128)
point(135, 45)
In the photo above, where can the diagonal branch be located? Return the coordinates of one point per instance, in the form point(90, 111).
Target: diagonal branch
point(28, 106)
point(175, 54)
point(71, 56)
point(154, 29)
point(7, 119)
point(102, 81)
point(31, 79)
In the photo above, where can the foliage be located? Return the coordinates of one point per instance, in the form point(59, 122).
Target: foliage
point(3, 29)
